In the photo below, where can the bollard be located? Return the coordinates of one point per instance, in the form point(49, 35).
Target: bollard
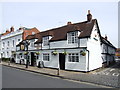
point(27, 63)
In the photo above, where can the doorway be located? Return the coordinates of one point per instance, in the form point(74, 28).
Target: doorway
point(62, 61)
point(33, 59)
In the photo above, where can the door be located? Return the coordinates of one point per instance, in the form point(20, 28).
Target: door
point(62, 61)
point(32, 59)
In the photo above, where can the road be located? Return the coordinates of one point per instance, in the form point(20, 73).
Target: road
point(15, 78)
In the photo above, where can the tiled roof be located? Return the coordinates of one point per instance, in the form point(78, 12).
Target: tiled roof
point(106, 42)
point(35, 36)
point(61, 33)
point(7, 32)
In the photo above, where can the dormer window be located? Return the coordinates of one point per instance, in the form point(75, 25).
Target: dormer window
point(46, 40)
point(72, 37)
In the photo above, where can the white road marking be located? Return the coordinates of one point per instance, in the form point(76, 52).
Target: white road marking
point(112, 70)
point(103, 73)
point(107, 73)
point(115, 74)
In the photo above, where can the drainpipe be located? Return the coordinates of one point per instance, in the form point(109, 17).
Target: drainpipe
point(88, 60)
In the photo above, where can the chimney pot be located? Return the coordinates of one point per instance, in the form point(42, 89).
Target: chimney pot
point(88, 11)
point(69, 23)
point(12, 29)
point(20, 28)
point(7, 30)
point(106, 37)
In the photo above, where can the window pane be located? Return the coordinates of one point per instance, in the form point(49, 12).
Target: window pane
point(46, 57)
point(77, 59)
point(69, 59)
point(73, 34)
point(73, 57)
point(45, 40)
point(72, 37)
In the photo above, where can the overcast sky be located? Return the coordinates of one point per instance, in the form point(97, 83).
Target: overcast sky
point(48, 15)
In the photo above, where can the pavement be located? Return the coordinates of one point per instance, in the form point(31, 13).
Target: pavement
point(111, 71)
point(96, 77)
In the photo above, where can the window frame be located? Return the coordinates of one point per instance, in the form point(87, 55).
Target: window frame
point(45, 41)
point(32, 43)
point(46, 57)
point(73, 57)
point(72, 37)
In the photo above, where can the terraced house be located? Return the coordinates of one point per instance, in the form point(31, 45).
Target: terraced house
point(11, 38)
point(75, 46)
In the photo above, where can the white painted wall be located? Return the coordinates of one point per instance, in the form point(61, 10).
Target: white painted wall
point(53, 63)
point(78, 66)
point(54, 60)
point(83, 42)
point(19, 57)
point(62, 44)
point(6, 50)
point(94, 47)
point(106, 49)
point(10, 48)
point(32, 46)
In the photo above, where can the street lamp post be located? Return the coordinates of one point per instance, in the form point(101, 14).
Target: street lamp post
point(58, 71)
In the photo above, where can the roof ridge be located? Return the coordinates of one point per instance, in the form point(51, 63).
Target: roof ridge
point(65, 26)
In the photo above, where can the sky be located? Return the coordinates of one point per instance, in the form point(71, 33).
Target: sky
point(119, 24)
point(48, 15)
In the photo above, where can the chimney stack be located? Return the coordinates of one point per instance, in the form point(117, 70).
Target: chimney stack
point(89, 16)
point(20, 28)
point(7, 31)
point(12, 29)
point(69, 23)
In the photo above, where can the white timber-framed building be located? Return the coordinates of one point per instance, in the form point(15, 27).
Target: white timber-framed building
point(77, 47)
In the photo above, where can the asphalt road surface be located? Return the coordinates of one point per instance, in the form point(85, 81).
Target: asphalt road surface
point(15, 78)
